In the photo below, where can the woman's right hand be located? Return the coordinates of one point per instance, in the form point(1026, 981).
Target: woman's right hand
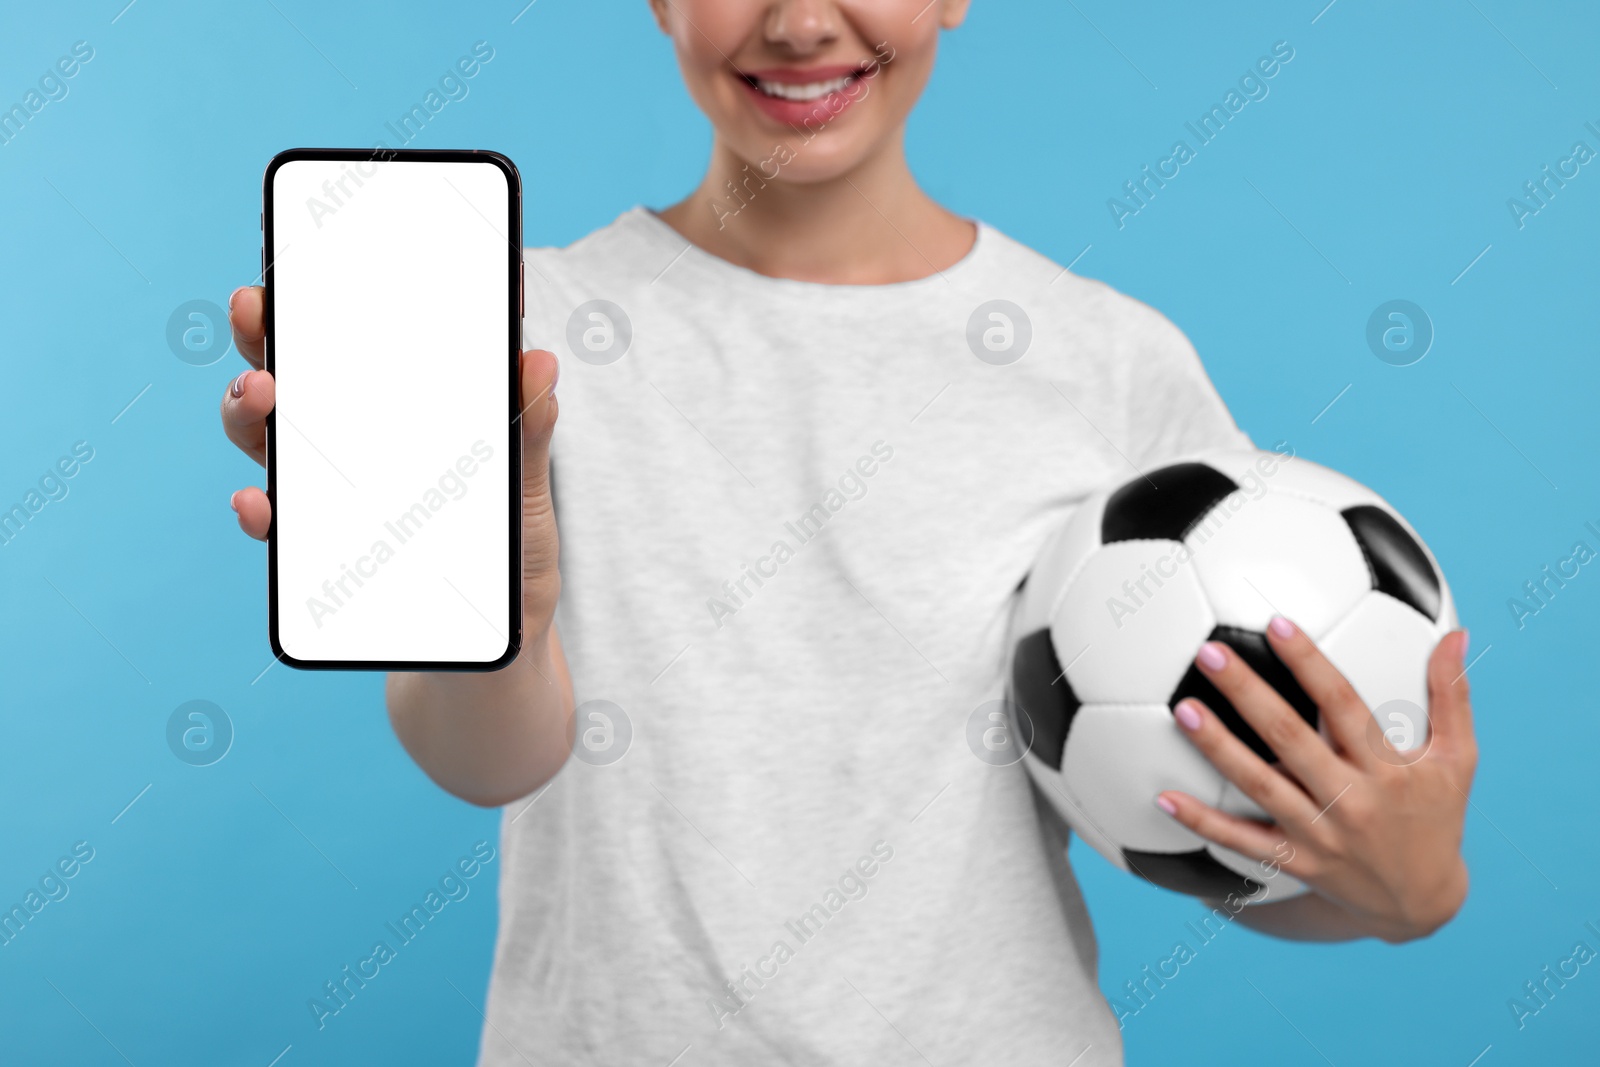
point(250, 396)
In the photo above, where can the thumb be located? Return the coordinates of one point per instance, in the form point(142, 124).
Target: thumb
point(539, 371)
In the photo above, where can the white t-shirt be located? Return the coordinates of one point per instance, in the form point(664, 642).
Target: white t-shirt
point(793, 517)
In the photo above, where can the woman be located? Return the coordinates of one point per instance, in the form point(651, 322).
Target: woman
point(816, 427)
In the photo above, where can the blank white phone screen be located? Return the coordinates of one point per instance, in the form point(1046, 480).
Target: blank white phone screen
point(391, 338)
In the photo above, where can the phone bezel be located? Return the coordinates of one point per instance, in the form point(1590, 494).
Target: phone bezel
point(513, 394)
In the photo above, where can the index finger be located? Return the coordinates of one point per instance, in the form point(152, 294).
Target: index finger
point(1279, 728)
point(1343, 711)
point(246, 317)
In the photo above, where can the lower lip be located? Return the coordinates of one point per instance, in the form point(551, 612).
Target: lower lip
point(822, 110)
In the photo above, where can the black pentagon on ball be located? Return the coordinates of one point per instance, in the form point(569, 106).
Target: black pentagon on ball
point(1165, 504)
point(1040, 688)
point(1196, 873)
point(1251, 647)
point(1397, 563)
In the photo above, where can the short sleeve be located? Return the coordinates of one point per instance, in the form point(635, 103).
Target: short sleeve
point(1173, 409)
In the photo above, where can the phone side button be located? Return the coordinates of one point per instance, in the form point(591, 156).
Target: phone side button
point(522, 289)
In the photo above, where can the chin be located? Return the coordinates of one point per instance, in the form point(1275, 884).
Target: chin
point(804, 156)
point(812, 166)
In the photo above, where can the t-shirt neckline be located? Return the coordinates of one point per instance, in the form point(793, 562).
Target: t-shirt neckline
point(706, 263)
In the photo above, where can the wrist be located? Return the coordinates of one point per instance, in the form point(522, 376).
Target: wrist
point(536, 640)
point(1427, 911)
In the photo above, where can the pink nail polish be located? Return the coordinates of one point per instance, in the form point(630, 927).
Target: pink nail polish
point(1166, 805)
point(237, 388)
point(1188, 715)
point(1281, 627)
point(1212, 657)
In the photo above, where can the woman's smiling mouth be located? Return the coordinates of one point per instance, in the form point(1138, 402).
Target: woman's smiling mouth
point(793, 95)
point(807, 92)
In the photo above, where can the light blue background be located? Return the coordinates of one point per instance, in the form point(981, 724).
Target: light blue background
point(1381, 163)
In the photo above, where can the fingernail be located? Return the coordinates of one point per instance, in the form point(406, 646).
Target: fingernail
point(1188, 715)
point(1212, 657)
point(1166, 805)
point(237, 388)
point(1466, 640)
point(1281, 627)
point(233, 501)
point(231, 298)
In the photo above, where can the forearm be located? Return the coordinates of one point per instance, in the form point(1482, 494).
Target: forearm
point(491, 737)
point(1311, 917)
point(1307, 917)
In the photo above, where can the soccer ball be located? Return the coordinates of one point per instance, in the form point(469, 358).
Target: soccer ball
point(1208, 549)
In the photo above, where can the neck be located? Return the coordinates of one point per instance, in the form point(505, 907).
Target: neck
point(871, 225)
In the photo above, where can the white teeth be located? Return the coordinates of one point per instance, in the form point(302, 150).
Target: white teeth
point(804, 93)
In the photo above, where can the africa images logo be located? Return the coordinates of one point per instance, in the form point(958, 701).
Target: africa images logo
point(1139, 191)
point(451, 485)
point(852, 485)
point(452, 887)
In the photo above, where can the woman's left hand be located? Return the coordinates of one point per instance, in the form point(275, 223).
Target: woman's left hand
point(1369, 828)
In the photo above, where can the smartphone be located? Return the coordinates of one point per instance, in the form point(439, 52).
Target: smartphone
point(393, 320)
